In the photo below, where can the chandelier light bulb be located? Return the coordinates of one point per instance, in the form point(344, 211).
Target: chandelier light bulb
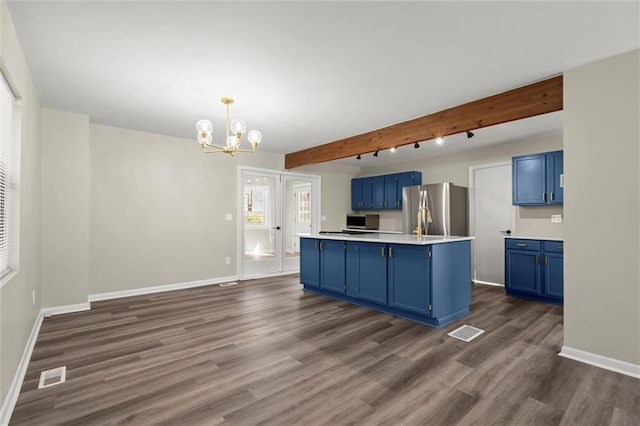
point(237, 127)
point(205, 138)
point(204, 126)
point(254, 137)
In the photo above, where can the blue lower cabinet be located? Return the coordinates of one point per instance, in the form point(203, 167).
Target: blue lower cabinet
point(367, 271)
point(310, 262)
point(410, 278)
point(332, 265)
point(534, 269)
point(400, 279)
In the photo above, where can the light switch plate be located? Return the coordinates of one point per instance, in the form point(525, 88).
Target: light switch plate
point(556, 218)
point(227, 260)
point(323, 218)
point(228, 216)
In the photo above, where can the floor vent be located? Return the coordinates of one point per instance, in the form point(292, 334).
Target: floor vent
point(466, 333)
point(229, 284)
point(52, 377)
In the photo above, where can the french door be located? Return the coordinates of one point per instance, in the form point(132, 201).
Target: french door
point(275, 209)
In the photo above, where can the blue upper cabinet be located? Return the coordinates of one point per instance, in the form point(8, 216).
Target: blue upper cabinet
point(381, 192)
point(537, 179)
point(555, 177)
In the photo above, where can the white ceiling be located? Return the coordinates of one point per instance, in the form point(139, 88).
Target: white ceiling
point(304, 73)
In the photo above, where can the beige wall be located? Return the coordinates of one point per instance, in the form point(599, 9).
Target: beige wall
point(65, 208)
point(157, 209)
point(455, 168)
point(602, 207)
point(18, 313)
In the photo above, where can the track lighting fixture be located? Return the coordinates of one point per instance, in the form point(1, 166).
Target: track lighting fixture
point(358, 157)
point(470, 134)
point(375, 154)
point(416, 145)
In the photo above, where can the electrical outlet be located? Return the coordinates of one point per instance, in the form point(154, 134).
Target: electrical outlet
point(556, 218)
point(228, 216)
point(323, 218)
point(33, 297)
point(227, 260)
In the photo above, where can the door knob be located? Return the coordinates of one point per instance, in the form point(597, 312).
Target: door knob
point(277, 228)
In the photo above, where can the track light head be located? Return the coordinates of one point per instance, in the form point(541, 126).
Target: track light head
point(470, 134)
point(439, 140)
point(375, 154)
point(416, 145)
point(359, 157)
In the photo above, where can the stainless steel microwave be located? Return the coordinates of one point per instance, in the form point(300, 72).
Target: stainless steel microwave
point(363, 221)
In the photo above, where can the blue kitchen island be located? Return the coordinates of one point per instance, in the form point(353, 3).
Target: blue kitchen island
point(427, 279)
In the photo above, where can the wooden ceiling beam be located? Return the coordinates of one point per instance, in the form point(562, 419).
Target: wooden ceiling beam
point(534, 99)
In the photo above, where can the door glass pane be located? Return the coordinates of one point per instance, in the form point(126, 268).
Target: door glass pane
point(259, 217)
point(297, 214)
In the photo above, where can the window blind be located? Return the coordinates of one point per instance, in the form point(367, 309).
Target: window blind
point(9, 176)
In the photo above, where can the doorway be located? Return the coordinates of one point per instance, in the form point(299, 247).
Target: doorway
point(490, 216)
point(275, 209)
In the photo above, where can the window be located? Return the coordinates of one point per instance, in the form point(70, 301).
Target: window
point(9, 177)
point(255, 206)
point(304, 206)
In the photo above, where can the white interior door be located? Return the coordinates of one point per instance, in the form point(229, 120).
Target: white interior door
point(276, 209)
point(492, 213)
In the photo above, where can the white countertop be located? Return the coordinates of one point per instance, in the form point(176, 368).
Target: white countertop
point(530, 237)
point(392, 238)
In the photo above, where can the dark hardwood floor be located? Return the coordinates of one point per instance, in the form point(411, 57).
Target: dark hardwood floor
point(266, 352)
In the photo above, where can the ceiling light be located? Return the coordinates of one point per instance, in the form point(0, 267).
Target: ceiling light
point(393, 149)
point(236, 127)
point(416, 145)
point(375, 154)
point(358, 157)
point(470, 134)
point(439, 140)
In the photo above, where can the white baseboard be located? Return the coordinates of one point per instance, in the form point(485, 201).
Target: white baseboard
point(274, 274)
point(159, 288)
point(601, 361)
point(58, 310)
point(487, 283)
point(11, 397)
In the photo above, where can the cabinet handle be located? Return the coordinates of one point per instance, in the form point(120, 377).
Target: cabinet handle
point(316, 245)
point(544, 196)
point(320, 245)
point(560, 247)
point(390, 251)
point(546, 260)
point(537, 259)
point(397, 203)
point(521, 245)
point(551, 196)
point(382, 251)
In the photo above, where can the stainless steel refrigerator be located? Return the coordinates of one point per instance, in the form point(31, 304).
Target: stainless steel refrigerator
point(447, 204)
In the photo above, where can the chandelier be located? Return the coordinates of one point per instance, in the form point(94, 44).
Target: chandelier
point(235, 129)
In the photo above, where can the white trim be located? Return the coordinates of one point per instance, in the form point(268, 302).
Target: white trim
point(11, 397)
point(159, 288)
point(487, 283)
point(8, 277)
point(601, 361)
point(67, 309)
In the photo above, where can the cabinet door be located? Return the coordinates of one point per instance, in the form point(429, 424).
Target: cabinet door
point(367, 193)
point(332, 265)
point(356, 194)
point(371, 284)
point(554, 275)
point(391, 192)
point(378, 192)
point(529, 178)
point(309, 262)
point(555, 171)
point(409, 277)
point(522, 271)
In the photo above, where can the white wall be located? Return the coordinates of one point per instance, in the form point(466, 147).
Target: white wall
point(157, 209)
point(602, 207)
point(18, 313)
point(65, 208)
point(455, 168)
